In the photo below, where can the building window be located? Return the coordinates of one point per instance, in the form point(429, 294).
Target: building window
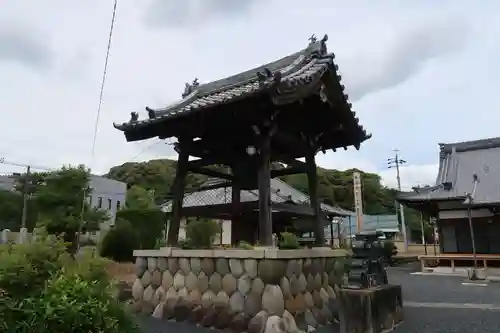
point(99, 202)
point(118, 204)
point(109, 203)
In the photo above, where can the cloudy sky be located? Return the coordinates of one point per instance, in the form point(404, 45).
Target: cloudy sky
point(418, 72)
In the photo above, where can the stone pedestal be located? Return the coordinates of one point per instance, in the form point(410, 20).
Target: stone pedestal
point(371, 310)
point(244, 290)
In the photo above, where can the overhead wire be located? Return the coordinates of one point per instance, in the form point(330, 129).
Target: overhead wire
point(103, 81)
point(145, 149)
point(148, 147)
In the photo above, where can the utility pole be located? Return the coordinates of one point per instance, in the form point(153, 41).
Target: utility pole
point(26, 187)
point(396, 162)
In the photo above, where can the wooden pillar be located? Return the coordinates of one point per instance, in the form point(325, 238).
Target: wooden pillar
point(178, 196)
point(235, 199)
point(235, 209)
point(312, 179)
point(264, 186)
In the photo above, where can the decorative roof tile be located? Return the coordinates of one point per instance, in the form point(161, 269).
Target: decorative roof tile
point(282, 76)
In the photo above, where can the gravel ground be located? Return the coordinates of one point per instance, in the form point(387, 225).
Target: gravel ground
point(426, 320)
point(417, 289)
point(447, 289)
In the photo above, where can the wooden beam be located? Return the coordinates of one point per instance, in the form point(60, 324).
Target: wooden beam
point(312, 179)
point(220, 210)
point(290, 141)
point(210, 172)
point(264, 186)
point(178, 188)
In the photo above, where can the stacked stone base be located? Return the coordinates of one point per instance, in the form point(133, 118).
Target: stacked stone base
point(373, 310)
point(221, 317)
point(240, 290)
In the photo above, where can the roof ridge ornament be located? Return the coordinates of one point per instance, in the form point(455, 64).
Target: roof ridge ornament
point(313, 39)
point(319, 47)
point(267, 75)
point(151, 113)
point(134, 117)
point(189, 88)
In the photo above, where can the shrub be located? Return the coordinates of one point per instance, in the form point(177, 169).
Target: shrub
point(148, 223)
point(160, 242)
point(288, 241)
point(245, 245)
point(202, 233)
point(43, 289)
point(24, 268)
point(72, 303)
point(120, 242)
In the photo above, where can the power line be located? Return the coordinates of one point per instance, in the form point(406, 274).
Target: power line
point(103, 81)
point(23, 165)
point(145, 149)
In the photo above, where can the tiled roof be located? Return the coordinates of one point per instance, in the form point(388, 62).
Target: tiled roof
point(283, 75)
point(281, 192)
point(458, 163)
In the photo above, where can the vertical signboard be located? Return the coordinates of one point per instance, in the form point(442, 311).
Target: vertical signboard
point(358, 200)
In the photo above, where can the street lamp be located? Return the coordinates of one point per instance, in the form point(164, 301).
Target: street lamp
point(469, 201)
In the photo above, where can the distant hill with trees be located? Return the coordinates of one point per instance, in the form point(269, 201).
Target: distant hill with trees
point(335, 187)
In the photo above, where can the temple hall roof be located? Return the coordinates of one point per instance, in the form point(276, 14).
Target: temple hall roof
point(281, 192)
point(294, 75)
point(458, 162)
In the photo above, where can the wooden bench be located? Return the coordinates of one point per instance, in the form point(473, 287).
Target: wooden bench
point(452, 257)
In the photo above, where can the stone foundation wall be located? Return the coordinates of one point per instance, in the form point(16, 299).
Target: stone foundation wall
point(240, 289)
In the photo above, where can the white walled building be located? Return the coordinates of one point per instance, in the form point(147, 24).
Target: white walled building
point(107, 194)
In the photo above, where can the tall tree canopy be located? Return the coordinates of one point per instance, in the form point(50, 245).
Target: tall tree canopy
point(62, 202)
point(57, 201)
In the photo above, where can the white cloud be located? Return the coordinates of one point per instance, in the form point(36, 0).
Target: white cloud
point(407, 66)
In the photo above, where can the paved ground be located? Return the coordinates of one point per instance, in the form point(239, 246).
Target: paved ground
point(432, 304)
point(442, 304)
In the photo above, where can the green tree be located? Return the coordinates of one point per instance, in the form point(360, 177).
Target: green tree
point(140, 198)
point(11, 207)
point(11, 204)
point(62, 203)
point(157, 175)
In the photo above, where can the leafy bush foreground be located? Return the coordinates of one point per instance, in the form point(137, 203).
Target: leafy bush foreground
point(43, 289)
